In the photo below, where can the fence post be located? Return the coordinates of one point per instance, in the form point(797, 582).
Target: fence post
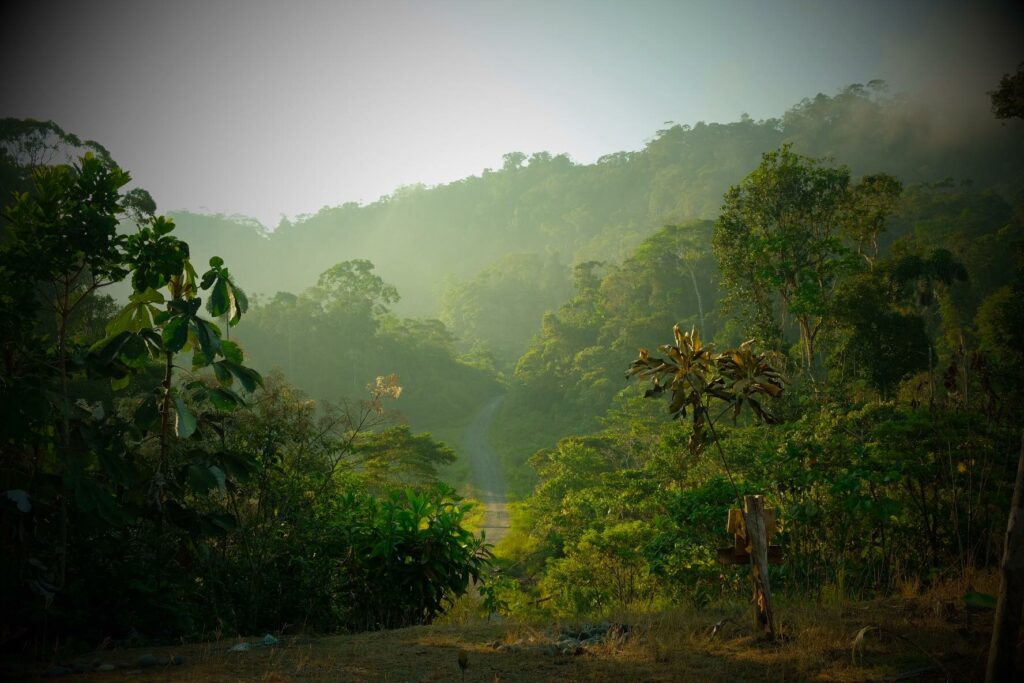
point(757, 536)
point(1002, 653)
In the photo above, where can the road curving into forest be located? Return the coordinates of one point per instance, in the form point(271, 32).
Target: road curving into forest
point(486, 478)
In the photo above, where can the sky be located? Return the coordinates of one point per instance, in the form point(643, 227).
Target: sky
point(271, 109)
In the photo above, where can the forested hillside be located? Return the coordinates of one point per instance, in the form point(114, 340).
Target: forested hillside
point(438, 244)
point(260, 429)
point(576, 257)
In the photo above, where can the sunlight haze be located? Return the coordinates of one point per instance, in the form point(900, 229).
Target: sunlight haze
point(264, 109)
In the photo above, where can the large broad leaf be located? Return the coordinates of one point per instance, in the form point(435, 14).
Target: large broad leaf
point(219, 475)
point(134, 353)
point(225, 399)
point(249, 378)
point(106, 350)
point(241, 304)
point(239, 465)
point(231, 351)
point(147, 413)
point(224, 375)
point(208, 337)
point(220, 298)
point(201, 479)
point(185, 425)
point(175, 334)
point(138, 314)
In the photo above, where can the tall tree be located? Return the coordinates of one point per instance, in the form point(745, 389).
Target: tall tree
point(1008, 98)
point(778, 239)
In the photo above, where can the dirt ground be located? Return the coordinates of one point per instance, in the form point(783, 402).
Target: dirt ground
point(917, 640)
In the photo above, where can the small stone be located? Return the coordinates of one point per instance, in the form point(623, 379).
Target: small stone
point(177, 660)
point(81, 667)
point(163, 660)
point(241, 647)
point(58, 671)
point(106, 667)
point(269, 640)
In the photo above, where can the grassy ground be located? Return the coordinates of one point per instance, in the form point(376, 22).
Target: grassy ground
point(921, 639)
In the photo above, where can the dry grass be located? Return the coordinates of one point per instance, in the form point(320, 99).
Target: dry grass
point(920, 636)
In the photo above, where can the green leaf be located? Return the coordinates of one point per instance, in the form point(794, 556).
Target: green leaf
point(134, 352)
point(201, 479)
point(208, 337)
point(239, 465)
point(107, 350)
point(224, 375)
point(249, 378)
point(231, 351)
point(220, 299)
point(224, 399)
point(241, 304)
point(149, 296)
point(175, 334)
point(216, 262)
point(185, 425)
point(219, 475)
point(138, 314)
point(162, 225)
point(147, 413)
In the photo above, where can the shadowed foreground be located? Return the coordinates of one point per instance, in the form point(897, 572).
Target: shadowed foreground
point(920, 640)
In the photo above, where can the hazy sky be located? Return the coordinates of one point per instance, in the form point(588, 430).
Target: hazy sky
point(270, 108)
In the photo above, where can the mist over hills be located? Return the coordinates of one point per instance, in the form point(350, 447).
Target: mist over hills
point(421, 237)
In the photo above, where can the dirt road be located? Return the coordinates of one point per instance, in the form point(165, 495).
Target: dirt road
point(487, 478)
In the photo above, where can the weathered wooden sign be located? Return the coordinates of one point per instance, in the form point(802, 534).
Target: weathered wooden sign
point(753, 529)
point(739, 553)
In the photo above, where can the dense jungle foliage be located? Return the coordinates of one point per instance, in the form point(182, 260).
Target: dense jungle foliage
point(153, 484)
point(889, 453)
point(205, 450)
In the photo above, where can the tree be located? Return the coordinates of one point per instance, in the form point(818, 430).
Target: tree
point(694, 376)
point(1008, 98)
point(353, 287)
point(512, 161)
point(872, 201)
point(778, 236)
point(86, 470)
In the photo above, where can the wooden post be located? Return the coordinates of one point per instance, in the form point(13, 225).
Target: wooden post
point(1002, 653)
point(757, 537)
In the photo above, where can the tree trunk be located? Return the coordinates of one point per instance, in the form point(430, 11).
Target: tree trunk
point(757, 536)
point(700, 303)
point(1002, 654)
